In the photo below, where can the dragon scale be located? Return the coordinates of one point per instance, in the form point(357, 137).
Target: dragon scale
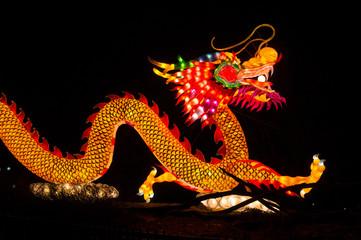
point(99, 151)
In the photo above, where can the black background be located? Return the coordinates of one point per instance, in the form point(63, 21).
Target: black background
point(59, 61)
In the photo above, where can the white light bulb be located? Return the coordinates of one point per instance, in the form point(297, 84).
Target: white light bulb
point(261, 78)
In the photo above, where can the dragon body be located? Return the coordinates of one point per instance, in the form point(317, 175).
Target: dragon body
point(206, 86)
point(175, 156)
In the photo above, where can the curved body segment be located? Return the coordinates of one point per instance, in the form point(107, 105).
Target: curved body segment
point(176, 158)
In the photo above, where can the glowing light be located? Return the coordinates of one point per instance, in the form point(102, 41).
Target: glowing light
point(193, 93)
point(194, 101)
point(315, 156)
point(212, 203)
point(261, 78)
point(321, 163)
point(302, 193)
point(233, 201)
point(222, 203)
point(198, 112)
point(204, 118)
point(189, 107)
point(195, 116)
point(87, 192)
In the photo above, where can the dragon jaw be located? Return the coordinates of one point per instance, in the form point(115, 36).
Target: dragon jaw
point(203, 98)
point(250, 96)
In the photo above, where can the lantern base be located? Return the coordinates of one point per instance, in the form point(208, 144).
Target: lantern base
point(225, 202)
point(87, 192)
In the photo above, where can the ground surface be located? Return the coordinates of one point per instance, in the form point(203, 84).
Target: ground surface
point(114, 219)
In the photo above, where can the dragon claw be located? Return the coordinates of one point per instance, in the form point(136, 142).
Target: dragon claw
point(315, 156)
point(146, 190)
point(317, 169)
point(321, 163)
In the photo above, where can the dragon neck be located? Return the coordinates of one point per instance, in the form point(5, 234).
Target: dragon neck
point(231, 133)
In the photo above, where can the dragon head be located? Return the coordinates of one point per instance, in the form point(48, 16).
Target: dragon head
point(249, 80)
point(217, 79)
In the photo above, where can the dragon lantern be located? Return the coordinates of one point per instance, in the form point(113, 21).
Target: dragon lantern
point(206, 86)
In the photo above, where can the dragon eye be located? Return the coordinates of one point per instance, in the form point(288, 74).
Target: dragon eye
point(261, 78)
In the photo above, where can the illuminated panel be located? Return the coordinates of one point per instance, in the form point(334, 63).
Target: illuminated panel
point(222, 203)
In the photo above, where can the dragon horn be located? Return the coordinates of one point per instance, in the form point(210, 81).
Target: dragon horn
point(167, 67)
point(247, 40)
point(164, 75)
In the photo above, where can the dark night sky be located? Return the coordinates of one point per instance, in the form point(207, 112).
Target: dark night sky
point(58, 65)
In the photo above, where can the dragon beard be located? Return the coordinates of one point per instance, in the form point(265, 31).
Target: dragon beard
point(254, 97)
point(203, 98)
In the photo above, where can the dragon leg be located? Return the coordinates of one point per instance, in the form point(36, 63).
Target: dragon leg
point(146, 189)
point(317, 168)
